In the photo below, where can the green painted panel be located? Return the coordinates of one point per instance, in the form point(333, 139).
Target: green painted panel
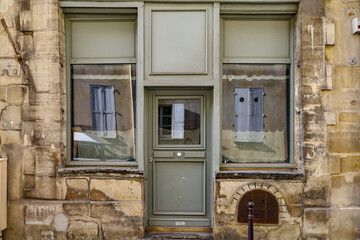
point(170, 154)
point(103, 39)
point(179, 188)
point(256, 38)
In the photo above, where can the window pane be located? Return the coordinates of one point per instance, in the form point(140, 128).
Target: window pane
point(255, 113)
point(179, 121)
point(103, 112)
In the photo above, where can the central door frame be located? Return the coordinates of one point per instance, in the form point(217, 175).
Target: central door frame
point(148, 138)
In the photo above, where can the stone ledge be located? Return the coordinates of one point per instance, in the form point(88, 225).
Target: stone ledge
point(129, 172)
point(259, 175)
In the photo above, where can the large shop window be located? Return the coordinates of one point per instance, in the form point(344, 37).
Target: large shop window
point(256, 107)
point(102, 85)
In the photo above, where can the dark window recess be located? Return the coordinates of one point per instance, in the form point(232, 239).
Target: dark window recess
point(266, 208)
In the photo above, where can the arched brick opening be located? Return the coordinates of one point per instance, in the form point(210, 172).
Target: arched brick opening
point(266, 207)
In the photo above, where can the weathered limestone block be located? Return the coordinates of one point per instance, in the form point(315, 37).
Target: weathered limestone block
point(317, 190)
point(6, 49)
point(11, 117)
point(115, 189)
point(344, 142)
point(349, 117)
point(117, 230)
point(330, 118)
point(311, 94)
point(10, 72)
point(45, 163)
point(316, 222)
point(350, 164)
point(25, 20)
point(341, 100)
point(44, 71)
point(80, 229)
point(328, 84)
point(16, 222)
point(28, 131)
point(76, 208)
point(44, 16)
point(118, 210)
point(39, 214)
point(329, 32)
point(312, 33)
point(313, 121)
point(46, 43)
point(29, 181)
point(44, 188)
point(77, 189)
point(313, 64)
point(60, 222)
point(16, 94)
point(342, 12)
point(10, 137)
point(349, 77)
point(345, 190)
point(344, 223)
point(26, 43)
point(284, 231)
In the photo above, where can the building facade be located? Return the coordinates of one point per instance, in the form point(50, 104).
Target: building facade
point(124, 118)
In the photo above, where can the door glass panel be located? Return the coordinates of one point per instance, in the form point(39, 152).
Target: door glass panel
point(179, 121)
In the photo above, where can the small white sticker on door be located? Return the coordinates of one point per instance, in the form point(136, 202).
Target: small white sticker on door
point(180, 223)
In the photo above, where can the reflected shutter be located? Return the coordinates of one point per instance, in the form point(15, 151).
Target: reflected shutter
point(97, 106)
point(249, 108)
point(178, 117)
point(109, 111)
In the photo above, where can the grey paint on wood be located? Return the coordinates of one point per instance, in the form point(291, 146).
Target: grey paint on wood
point(249, 110)
point(178, 42)
point(256, 38)
point(103, 39)
point(179, 188)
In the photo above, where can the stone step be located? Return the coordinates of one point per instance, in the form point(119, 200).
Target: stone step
point(177, 235)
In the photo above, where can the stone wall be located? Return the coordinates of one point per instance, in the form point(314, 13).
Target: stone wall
point(43, 202)
point(47, 201)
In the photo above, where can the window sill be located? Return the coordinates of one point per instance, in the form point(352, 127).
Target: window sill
point(100, 170)
point(268, 175)
point(259, 165)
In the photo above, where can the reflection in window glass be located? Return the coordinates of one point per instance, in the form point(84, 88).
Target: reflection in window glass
point(103, 112)
point(255, 113)
point(179, 121)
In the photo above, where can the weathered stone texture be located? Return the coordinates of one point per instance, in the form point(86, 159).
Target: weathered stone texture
point(115, 189)
point(80, 229)
point(77, 189)
point(344, 142)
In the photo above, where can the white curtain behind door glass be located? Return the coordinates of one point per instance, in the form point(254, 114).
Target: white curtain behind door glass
point(178, 118)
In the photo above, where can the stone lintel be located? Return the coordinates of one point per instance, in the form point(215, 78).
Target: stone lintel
point(260, 175)
point(100, 170)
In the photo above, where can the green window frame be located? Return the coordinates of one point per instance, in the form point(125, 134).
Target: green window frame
point(108, 67)
point(236, 14)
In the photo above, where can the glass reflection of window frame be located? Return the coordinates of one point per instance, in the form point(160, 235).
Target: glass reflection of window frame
point(255, 60)
point(114, 15)
point(156, 131)
point(105, 145)
point(243, 146)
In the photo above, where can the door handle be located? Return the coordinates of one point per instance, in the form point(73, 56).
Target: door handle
point(150, 159)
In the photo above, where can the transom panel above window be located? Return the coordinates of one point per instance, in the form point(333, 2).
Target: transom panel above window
point(257, 90)
point(101, 88)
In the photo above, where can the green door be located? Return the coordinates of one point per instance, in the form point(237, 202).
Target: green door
point(178, 160)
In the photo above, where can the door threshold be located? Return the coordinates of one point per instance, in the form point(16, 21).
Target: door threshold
point(178, 235)
point(180, 229)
